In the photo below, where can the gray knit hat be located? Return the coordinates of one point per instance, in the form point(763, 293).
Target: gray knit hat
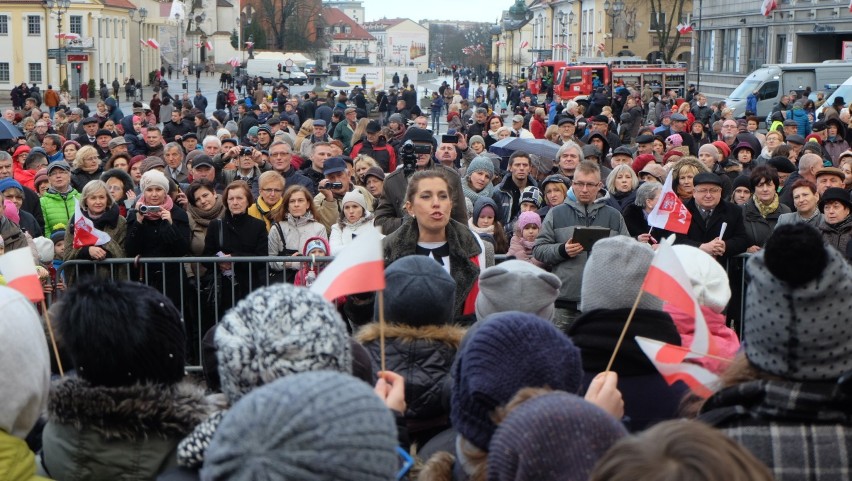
point(797, 307)
point(552, 437)
point(310, 426)
point(277, 331)
point(419, 293)
point(517, 286)
point(614, 274)
point(481, 162)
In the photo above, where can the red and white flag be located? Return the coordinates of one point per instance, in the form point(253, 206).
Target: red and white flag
point(208, 45)
point(850, 6)
point(601, 46)
point(768, 6)
point(670, 213)
point(153, 43)
point(249, 44)
point(85, 234)
point(667, 280)
point(524, 44)
point(19, 272)
point(144, 43)
point(668, 360)
point(360, 268)
point(684, 28)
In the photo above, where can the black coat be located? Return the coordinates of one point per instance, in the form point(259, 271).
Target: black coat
point(757, 228)
point(242, 236)
point(735, 235)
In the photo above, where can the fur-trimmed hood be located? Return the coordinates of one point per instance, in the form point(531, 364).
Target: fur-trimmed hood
point(128, 413)
point(451, 335)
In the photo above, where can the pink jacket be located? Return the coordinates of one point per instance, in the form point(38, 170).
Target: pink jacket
point(724, 339)
point(517, 249)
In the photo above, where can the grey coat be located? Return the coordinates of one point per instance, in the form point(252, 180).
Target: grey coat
point(558, 227)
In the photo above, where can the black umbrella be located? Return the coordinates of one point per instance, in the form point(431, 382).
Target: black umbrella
point(339, 83)
point(9, 131)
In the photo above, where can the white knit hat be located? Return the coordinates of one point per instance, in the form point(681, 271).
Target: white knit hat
point(357, 197)
point(709, 280)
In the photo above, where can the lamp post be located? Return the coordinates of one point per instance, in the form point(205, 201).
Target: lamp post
point(613, 10)
point(58, 8)
point(142, 14)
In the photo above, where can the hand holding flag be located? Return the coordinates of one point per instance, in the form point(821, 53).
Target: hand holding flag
point(669, 213)
point(360, 268)
point(85, 234)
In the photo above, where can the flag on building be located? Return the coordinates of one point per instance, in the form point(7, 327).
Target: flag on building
point(669, 213)
point(85, 233)
point(684, 28)
point(668, 359)
point(500, 43)
point(19, 272)
point(360, 268)
point(144, 43)
point(208, 45)
point(601, 46)
point(153, 43)
point(769, 5)
point(524, 44)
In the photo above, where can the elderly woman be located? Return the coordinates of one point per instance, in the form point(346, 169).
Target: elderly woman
point(621, 185)
point(430, 231)
point(477, 180)
point(774, 138)
point(761, 212)
point(121, 188)
point(87, 167)
point(636, 214)
point(683, 172)
point(119, 161)
point(98, 206)
point(805, 198)
point(836, 225)
point(271, 199)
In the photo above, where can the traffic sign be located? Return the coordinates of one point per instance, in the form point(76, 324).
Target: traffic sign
point(78, 58)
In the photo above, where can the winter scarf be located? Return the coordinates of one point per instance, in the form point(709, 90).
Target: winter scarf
point(203, 217)
point(480, 230)
point(167, 205)
point(472, 194)
point(765, 209)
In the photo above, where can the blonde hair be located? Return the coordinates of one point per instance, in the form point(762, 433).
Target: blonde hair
point(84, 152)
point(360, 129)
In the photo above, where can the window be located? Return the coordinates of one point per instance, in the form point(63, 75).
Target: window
point(781, 52)
point(708, 50)
point(33, 25)
point(757, 48)
point(122, 30)
point(76, 24)
point(657, 22)
point(4, 72)
point(35, 72)
point(106, 27)
point(115, 27)
point(4, 25)
point(731, 47)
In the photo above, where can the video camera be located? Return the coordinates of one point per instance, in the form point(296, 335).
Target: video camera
point(409, 152)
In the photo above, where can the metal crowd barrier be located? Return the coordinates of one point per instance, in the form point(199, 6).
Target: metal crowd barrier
point(200, 311)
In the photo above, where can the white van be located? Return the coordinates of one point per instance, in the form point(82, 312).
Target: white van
point(843, 90)
point(775, 80)
point(267, 69)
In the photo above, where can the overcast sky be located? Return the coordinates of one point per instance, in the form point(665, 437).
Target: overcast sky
point(470, 10)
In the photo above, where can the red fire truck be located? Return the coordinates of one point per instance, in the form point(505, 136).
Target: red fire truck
point(543, 72)
point(578, 81)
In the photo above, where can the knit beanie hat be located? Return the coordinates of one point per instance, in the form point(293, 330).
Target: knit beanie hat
point(357, 197)
point(614, 273)
point(154, 178)
point(532, 194)
point(742, 181)
point(419, 292)
point(722, 149)
point(527, 218)
point(122, 333)
point(481, 162)
point(41, 176)
point(315, 243)
point(797, 306)
point(711, 150)
point(277, 331)
point(10, 183)
point(675, 140)
point(552, 437)
point(311, 426)
point(709, 280)
point(499, 356)
point(516, 285)
point(24, 385)
point(476, 139)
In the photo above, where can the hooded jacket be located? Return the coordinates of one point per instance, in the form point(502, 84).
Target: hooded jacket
point(559, 226)
point(135, 143)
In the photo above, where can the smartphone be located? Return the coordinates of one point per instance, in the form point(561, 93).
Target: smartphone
point(449, 139)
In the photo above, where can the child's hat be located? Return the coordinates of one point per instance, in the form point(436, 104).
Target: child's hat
point(315, 244)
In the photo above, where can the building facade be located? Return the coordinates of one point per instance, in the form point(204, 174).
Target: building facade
point(400, 42)
point(735, 39)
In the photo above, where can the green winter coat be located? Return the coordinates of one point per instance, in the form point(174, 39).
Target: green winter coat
point(57, 208)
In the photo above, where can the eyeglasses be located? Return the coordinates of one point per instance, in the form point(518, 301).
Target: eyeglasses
point(708, 191)
point(272, 191)
point(586, 185)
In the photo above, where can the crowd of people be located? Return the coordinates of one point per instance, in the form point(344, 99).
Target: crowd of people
point(489, 370)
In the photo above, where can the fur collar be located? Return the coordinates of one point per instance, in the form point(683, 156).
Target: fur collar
point(450, 335)
point(128, 412)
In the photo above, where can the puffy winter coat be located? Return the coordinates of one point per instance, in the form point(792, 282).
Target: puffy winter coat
point(57, 208)
point(296, 232)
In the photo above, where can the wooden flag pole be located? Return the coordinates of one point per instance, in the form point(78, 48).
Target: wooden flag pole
point(52, 338)
point(624, 330)
point(382, 327)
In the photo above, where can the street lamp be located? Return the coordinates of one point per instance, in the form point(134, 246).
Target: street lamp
point(58, 8)
point(143, 14)
point(613, 10)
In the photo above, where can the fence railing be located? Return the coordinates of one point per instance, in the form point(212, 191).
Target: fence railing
point(198, 288)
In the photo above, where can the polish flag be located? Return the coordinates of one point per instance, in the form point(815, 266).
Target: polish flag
point(153, 43)
point(85, 234)
point(144, 43)
point(524, 44)
point(670, 213)
point(684, 28)
point(850, 6)
point(500, 43)
point(19, 272)
point(769, 5)
point(667, 280)
point(360, 268)
point(668, 360)
point(249, 44)
point(208, 45)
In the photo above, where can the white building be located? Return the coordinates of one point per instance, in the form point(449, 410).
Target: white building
point(400, 42)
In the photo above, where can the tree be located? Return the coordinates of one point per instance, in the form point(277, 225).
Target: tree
point(257, 32)
point(290, 23)
point(235, 39)
point(668, 37)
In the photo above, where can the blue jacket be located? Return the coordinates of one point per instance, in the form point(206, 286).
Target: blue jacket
point(801, 117)
point(751, 103)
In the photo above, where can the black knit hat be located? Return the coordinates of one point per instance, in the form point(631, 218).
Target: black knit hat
point(742, 181)
point(419, 292)
point(122, 333)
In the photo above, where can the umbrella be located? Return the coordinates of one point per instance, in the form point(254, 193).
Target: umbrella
point(339, 83)
point(541, 147)
point(9, 131)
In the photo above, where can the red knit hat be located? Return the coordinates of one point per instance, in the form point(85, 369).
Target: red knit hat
point(670, 154)
point(723, 148)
